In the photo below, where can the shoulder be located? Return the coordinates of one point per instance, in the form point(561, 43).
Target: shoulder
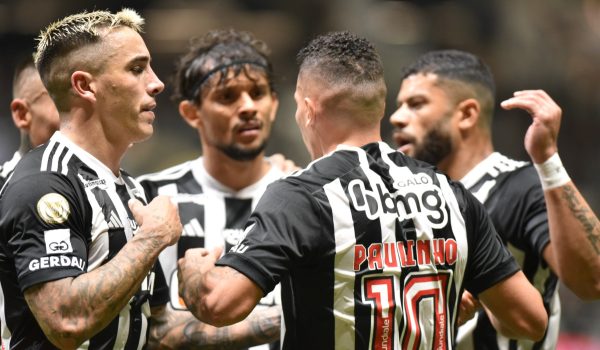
point(171, 174)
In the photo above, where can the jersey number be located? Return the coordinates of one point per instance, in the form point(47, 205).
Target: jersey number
point(379, 292)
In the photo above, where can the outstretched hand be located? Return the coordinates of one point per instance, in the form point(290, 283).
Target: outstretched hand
point(541, 136)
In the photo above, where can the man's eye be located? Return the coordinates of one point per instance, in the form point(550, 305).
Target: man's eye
point(137, 69)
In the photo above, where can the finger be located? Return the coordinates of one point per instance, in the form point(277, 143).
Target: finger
point(217, 252)
point(136, 208)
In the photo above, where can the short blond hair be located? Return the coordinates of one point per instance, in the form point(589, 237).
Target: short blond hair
point(60, 39)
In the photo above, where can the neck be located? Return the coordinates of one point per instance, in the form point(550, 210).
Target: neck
point(232, 173)
point(78, 130)
point(25, 145)
point(466, 155)
point(329, 141)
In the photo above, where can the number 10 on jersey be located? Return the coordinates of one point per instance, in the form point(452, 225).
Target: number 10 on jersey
point(423, 306)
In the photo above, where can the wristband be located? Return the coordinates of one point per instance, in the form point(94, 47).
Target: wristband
point(552, 173)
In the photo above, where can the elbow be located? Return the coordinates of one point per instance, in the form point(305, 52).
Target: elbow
point(533, 329)
point(210, 310)
point(66, 333)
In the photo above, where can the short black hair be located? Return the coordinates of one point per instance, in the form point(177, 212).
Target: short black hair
point(218, 51)
point(453, 65)
point(24, 63)
point(342, 55)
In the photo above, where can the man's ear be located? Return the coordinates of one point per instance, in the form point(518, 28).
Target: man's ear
point(82, 84)
point(311, 111)
point(20, 113)
point(189, 112)
point(469, 110)
point(275, 106)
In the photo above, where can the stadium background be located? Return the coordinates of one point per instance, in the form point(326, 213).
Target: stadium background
point(548, 44)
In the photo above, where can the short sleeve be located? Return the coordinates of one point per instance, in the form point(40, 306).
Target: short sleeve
point(489, 261)
point(283, 232)
point(44, 228)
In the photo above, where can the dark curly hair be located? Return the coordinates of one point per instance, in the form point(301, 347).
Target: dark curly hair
point(342, 55)
point(219, 51)
point(459, 67)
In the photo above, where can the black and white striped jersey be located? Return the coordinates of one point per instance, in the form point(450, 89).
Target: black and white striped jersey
point(513, 196)
point(7, 168)
point(211, 214)
point(372, 250)
point(63, 213)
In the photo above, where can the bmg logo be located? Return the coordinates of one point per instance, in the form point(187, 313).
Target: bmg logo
point(407, 203)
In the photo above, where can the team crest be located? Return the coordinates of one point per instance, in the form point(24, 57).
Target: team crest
point(53, 208)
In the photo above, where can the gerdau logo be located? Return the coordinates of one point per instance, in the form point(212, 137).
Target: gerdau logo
point(413, 197)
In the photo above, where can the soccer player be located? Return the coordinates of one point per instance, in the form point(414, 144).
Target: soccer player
point(372, 248)
point(445, 107)
point(78, 247)
point(224, 88)
point(33, 113)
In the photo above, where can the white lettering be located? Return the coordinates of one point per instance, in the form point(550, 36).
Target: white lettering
point(46, 262)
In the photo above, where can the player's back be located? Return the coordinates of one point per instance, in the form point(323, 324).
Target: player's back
point(388, 264)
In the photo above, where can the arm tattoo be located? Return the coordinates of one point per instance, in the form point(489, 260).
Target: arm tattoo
point(585, 216)
point(181, 330)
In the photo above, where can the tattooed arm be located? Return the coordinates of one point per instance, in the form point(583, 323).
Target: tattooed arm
point(72, 310)
point(574, 241)
point(174, 329)
point(216, 295)
point(574, 249)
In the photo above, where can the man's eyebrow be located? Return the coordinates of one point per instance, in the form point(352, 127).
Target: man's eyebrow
point(140, 59)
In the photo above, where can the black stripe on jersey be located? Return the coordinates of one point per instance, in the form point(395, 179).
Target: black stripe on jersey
point(105, 339)
point(135, 327)
point(51, 153)
point(190, 237)
point(188, 184)
point(237, 212)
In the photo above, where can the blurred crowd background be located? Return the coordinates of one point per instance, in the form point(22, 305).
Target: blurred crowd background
point(547, 44)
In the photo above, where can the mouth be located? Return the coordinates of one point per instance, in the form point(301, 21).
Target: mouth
point(249, 128)
point(403, 141)
point(148, 109)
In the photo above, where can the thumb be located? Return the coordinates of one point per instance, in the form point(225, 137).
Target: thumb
point(136, 208)
point(216, 253)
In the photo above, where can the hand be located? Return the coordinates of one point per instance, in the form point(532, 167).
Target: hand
point(541, 137)
point(287, 166)
point(192, 268)
point(468, 308)
point(159, 220)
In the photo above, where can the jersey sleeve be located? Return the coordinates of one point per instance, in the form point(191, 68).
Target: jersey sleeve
point(489, 261)
point(44, 220)
point(523, 221)
point(283, 232)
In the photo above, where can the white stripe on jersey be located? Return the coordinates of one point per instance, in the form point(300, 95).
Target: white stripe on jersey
point(343, 289)
point(56, 157)
point(6, 336)
point(171, 173)
point(46, 156)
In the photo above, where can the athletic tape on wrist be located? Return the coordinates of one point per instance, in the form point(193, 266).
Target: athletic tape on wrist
point(552, 172)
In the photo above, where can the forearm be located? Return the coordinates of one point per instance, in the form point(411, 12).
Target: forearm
point(575, 240)
point(181, 330)
point(74, 309)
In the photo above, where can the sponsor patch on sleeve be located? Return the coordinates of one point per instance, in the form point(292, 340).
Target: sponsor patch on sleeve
point(53, 208)
point(58, 241)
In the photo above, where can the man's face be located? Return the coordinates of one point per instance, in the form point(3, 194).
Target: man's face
point(301, 115)
point(237, 113)
point(423, 123)
point(43, 113)
point(126, 87)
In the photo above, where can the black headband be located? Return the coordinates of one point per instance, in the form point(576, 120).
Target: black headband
point(199, 82)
